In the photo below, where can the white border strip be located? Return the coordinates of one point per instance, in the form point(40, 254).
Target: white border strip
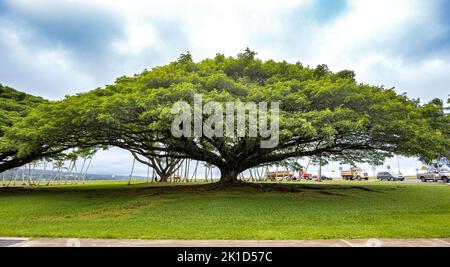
point(348, 243)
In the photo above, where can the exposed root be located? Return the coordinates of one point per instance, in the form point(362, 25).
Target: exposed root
point(11, 188)
point(331, 193)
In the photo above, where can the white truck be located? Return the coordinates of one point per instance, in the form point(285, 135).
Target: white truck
point(354, 173)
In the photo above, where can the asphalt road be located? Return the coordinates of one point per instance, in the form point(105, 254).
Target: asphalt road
point(409, 181)
point(416, 181)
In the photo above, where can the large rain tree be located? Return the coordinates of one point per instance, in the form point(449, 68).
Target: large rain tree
point(322, 114)
point(14, 106)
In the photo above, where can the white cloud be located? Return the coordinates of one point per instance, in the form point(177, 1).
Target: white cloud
point(209, 26)
point(154, 32)
point(425, 79)
point(138, 38)
point(37, 69)
point(371, 37)
point(368, 37)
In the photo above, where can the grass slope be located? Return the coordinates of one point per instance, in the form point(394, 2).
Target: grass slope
point(300, 211)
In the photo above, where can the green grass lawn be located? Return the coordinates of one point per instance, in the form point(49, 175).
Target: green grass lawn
point(291, 211)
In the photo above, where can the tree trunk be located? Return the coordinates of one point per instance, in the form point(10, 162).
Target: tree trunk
point(229, 176)
point(164, 179)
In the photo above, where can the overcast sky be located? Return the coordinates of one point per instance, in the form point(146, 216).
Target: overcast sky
point(53, 48)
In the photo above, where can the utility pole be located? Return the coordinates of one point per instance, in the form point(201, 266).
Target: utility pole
point(320, 169)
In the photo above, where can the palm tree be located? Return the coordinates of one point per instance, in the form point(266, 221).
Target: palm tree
point(251, 175)
point(59, 166)
point(148, 174)
point(154, 176)
point(72, 157)
point(33, 164)
point(87, 155)
point(208, 171)
point(80, 174)
point(44, 171)
point(194, 175)
point(90, 157)
point(14, 176)
point(132, 170)
point(187, 164)
point(23, 174)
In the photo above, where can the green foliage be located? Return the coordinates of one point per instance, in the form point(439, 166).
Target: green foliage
point(322, 114)
point(14, 105)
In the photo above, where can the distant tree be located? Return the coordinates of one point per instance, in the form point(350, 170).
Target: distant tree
point(436, 115)
point(164, 166)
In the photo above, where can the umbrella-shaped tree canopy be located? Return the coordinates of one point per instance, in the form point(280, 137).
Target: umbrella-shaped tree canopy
point(321, 113)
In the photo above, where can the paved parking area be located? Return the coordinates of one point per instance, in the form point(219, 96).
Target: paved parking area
point(75, 242)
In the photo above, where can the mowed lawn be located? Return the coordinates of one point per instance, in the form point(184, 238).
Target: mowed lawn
point(289, 211)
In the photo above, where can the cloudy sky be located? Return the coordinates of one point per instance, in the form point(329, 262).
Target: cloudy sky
point(53, 48)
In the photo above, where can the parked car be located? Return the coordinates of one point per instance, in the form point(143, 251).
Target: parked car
point(442, 173)
point(389, 176)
